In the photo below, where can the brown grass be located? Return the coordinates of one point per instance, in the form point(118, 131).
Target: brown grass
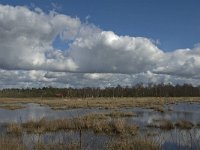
point(114, 126)
point(120, 114)
point(43, 125)
point(100, 102)
point(99, 123)
point(11, 107)
point(92, 122)
point(95, 116)
point(14, 129)
point(16, 143)
point(159, 109)
point(184, 124)
point(11, 144)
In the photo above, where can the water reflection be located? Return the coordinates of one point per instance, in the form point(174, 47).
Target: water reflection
point(36, 112)
point(182, 111)
point(179, 139)
point(89, 140)
point(173, 139)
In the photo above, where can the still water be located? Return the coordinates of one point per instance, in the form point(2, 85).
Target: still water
point(172, 139)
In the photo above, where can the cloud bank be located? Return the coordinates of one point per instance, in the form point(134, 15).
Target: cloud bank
point(94, 57)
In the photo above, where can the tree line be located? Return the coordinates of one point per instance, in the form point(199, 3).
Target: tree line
point(138, 90)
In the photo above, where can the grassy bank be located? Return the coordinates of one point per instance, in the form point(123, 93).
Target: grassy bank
point(107, 103)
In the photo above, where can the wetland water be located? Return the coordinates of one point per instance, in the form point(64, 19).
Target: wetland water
point(168, 139)
point(36, 112)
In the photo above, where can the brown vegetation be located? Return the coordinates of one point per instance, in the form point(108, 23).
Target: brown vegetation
point(11, 107)
point(16, 143)
point(65, 103)
point(90, 122)
point(184, 124)
point(157, 108)
point(120, 114)
point(7, 143)
point(14, 129)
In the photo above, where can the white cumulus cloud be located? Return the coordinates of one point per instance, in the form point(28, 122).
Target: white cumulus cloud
point(26, 39)
point(94, 57)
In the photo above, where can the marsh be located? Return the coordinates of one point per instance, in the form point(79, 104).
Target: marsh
point(93, 126)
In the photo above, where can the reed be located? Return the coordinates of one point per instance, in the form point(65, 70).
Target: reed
point(108, 126)
point(120, 114)
point(14, 129)
point(7, 143)
point(135, 143)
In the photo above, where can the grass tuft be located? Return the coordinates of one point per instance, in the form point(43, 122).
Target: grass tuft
point(184, 124)
point(14, 129)
point(11, 107)
point(119, 114)
point(89, 122)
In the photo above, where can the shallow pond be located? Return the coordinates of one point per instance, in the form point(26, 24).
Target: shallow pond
point(36, 112)
point(180, 111)
point(172, 139)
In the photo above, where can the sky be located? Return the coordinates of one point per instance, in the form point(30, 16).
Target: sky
point(95, 43)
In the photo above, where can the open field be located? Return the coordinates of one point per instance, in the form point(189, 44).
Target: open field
point(107, 103)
